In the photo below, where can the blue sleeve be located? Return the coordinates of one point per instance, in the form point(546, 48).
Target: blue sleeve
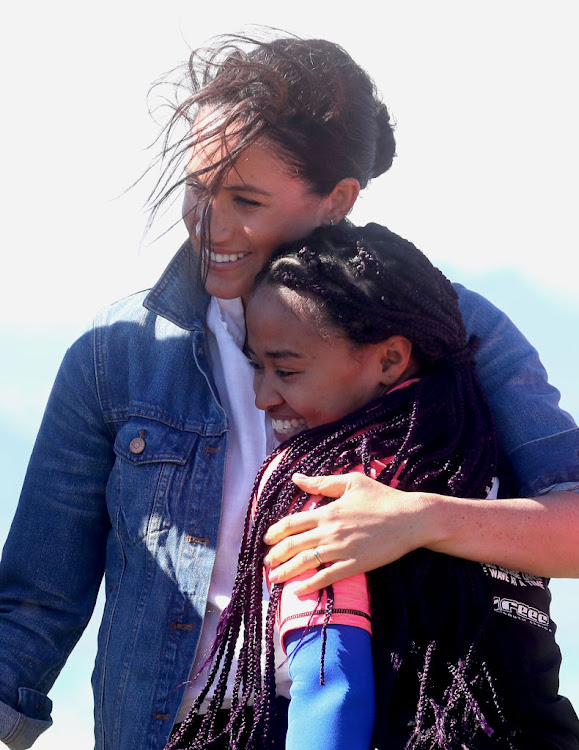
point(340, 713)
point(53, 559)
point(540, 440)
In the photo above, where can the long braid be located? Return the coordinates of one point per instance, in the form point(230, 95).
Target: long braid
point(371, 284)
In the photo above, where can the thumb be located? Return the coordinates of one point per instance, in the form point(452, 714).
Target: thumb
point(330, 486)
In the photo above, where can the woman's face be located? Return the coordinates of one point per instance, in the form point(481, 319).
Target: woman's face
point(260, 206)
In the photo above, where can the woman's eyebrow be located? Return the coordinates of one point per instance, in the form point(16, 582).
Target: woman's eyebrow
point(244, 187)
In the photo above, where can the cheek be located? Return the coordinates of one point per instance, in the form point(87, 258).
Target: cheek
point(189, 212)
point(321, 409)
point(297, 221)
point(257, 380)
point(298, 227)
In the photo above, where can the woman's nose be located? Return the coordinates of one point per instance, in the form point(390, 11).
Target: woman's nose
point(221, 227)
point(266, 395)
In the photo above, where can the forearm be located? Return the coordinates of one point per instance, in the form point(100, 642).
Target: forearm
point(539, 536)
point(370, 525)
point(340, 713)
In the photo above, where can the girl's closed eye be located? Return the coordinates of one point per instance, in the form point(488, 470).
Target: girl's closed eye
point(284, 374)
point(279, 372)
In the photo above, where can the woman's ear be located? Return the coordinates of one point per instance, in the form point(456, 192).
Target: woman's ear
point(342, 199)
point(397, 361)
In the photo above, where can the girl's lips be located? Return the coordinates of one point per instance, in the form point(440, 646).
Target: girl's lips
point(285, 427)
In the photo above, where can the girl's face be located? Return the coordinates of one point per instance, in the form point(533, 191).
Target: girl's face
point(306, 375)
point(259, 207)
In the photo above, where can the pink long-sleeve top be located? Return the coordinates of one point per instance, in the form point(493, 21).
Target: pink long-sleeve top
point(351, 596)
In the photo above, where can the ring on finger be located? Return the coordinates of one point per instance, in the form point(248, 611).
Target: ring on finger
point(316, 554)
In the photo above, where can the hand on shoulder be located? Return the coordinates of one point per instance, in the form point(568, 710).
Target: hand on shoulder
point(367, 526)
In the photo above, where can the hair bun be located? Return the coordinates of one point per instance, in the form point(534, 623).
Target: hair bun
point(385, 142)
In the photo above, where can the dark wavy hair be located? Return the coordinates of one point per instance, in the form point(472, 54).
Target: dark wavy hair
point(433, 685)
point(307, 97)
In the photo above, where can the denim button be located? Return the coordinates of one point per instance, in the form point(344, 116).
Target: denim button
point(188, 626)
point(198, 540)
point(137, 445)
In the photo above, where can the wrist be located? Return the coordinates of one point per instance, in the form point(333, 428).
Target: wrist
point(433, 527)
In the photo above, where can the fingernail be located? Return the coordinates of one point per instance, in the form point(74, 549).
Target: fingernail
point(273, 576)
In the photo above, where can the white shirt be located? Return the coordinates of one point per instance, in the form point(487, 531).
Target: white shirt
point(249, 440)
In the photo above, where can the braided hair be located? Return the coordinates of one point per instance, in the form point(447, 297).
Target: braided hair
point(428, 609)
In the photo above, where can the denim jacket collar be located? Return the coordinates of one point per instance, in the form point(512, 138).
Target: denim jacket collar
point(179, 296)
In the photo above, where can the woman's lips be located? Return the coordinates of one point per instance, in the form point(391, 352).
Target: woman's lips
point(224, 258)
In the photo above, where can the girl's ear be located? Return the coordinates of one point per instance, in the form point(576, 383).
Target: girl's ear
point(397, 361)
point(341, 200)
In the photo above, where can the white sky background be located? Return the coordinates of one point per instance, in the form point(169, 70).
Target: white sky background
point(484, 97)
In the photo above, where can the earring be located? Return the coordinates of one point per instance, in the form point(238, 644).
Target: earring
point(332, 222)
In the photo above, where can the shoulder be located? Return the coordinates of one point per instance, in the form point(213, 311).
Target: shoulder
point(477, 311)
point(125, 333)
point(129, 321)
point(504, 352)
point(127, 309)
point(139, 361)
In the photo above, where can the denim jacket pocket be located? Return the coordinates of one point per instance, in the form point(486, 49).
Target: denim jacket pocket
point(150, 467)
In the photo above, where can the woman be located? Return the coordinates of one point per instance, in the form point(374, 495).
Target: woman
point(150, 441)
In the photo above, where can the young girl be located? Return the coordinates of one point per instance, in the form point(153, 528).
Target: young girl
point(362, 363)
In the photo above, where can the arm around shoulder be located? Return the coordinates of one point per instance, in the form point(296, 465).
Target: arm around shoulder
point(371, 525)
point(539, 440)
point(538, 535)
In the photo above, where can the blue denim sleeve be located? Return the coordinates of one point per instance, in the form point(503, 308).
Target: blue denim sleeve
point(540, 440)
point(17, 729)
point(53, 560)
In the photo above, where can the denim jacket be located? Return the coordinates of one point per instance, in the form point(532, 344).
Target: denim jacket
point(125, 481)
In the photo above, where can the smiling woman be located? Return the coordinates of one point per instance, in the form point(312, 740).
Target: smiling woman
point(259, 205)
point(279, 136)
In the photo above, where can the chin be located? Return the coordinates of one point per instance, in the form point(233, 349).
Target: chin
point(216, 290)
point(283, 436)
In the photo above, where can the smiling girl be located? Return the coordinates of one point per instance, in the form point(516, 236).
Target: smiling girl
point(362, 362)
